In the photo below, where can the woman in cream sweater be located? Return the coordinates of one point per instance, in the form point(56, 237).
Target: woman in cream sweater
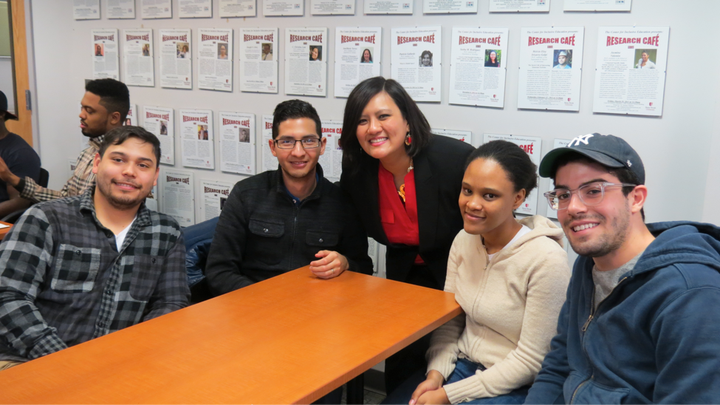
point(510, 278)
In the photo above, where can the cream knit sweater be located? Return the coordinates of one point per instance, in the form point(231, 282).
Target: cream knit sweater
point(511, 309)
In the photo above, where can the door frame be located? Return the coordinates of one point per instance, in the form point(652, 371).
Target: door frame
point(23, 126)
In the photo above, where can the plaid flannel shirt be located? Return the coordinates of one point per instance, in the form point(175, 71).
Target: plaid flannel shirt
point(63, 282)
point(82, 178)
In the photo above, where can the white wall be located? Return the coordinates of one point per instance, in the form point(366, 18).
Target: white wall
point(677, 148)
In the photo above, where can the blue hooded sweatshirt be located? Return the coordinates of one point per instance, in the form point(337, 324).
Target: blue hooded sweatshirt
point(654, 339)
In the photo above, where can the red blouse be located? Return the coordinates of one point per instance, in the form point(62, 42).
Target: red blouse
point(399, 221)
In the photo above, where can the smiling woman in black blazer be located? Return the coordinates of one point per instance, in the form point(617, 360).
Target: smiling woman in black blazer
point(405, 183)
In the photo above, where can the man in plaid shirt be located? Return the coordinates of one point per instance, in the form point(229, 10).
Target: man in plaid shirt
point(103, 107)
point(81, 267)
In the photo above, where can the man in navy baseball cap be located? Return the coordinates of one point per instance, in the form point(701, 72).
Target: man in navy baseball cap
point(640, 322)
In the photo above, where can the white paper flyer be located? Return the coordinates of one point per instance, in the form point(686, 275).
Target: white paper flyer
point(214, 194)
point(269, 162)
point(280, 8)
point(388, 6)
point(631, 68)
point(306, 61)
point(464, 136)
point(597, 5)
point(105, 54)
point(176, 59)
point(131, 118)
point(195, 8)
point(138, 60)
point(358, 56)
point(519, 6)
point(533, 147)
point(178, 198)
point(121, 9)
point(160, 121)
point(86, 9)
point(152, 9)
point(550, 68)
point(237, 142)
point(215, 53)
point(332, 7)
point(557, 143)
point(331, 160)
point(259, 60)
point(416, 56)
point(450, 6)
point(238, 8)
point(198, 139)
point(478, 66)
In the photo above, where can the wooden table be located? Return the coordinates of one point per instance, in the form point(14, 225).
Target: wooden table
point(289, 339)
point(4, 231)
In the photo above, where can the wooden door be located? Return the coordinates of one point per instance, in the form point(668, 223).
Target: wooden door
point(23, 126)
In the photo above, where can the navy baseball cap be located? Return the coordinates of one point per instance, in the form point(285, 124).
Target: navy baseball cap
point(4, 107)
point(608, 150)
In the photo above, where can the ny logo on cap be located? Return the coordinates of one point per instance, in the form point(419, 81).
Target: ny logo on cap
point(582, 138)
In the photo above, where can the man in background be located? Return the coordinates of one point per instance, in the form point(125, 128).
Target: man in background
point(103, 107)
point(81, 267)
point(18, 157)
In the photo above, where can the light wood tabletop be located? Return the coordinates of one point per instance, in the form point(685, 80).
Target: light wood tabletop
point(290, 339)
point(4, 230)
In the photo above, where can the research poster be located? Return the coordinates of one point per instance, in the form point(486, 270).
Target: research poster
point(416, 55)
point(597, 5)
point(105, 54)
point(358, 56)
point(237, 142)
point(269, 161)
point(121, 9)
point(533, 147)
point(280, 8)
point(550, 68)
point(388, 6)
point(258, 60)
point(153, 9)
point(161, 122)
point(332, 7)
point(331, 160)
point(195, 8)
point(138, 51)
point(215, 53)
point(519, 6)
point(557, 143)
point(198, 139)
point(86, 9)
point(238, 8)
point(478, 67)
point(178, 199)
point(306, 61)
point(131, 118)
point(176, 59)
point(463, 136)
point(631, 68)
point(214, 195)
point(450, 6)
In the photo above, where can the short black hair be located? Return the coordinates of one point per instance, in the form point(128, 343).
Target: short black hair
point(114, 95)
point(518, 167)
point(117, 136)
point(623, 174)
point(359, 97)
point(293, 109)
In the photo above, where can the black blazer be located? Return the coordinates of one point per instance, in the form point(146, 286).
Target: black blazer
point(439, 169)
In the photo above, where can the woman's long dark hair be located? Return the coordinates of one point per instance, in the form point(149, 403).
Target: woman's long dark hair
point(359, 98)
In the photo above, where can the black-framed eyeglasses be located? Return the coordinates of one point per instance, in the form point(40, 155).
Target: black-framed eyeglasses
point(310, 142)
point(590, 194)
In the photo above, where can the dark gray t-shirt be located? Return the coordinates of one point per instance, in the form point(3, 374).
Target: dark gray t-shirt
point(606, 281)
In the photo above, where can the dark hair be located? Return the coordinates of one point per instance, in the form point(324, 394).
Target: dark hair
point(118, 136)
point(426, 53)
point(114, 95)
point(356, 102)
point(362, 58)
point(292, 109)
point(518, 167)
point(623, 174)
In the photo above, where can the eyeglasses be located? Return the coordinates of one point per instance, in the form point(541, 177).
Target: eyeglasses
point(590, 194)
point(306, 143)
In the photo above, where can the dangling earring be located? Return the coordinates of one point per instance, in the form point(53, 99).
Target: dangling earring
point(408, 139)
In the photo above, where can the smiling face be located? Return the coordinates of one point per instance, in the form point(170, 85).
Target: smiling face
point(366, 55)
point(126, 173)
point(493, 56)
point(426, 59)
point(314, 53)
point(645, 57)
point(382, 128)
point(487, 200)
point(297, 163)
point(562, 59)
point(598, 230)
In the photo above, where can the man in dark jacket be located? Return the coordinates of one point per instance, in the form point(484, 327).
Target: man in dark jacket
point(281, 220)
point(641, 320)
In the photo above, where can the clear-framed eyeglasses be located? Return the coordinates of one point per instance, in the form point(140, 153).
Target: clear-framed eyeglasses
point(310, 142)
point(590, 194)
